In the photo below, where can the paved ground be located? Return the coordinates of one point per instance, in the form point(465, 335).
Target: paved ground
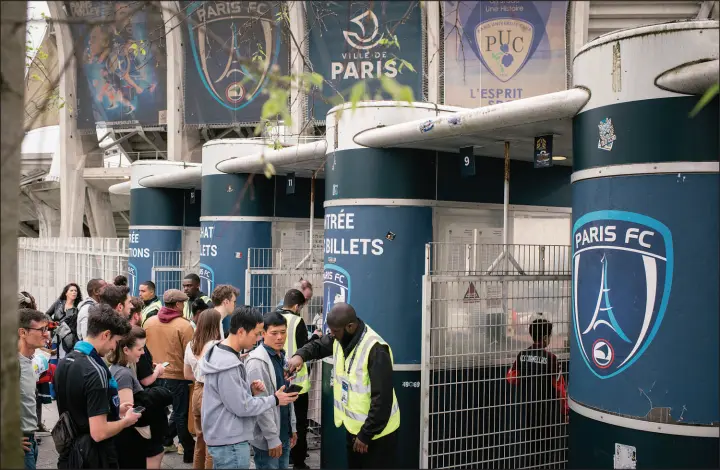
point(48, 456)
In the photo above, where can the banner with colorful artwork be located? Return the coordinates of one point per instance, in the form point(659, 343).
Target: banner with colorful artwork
point(225, 45)
point(363, 40)
point(121, 69)
point(498, 51)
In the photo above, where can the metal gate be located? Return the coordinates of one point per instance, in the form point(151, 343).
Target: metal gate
point(478, 303)
point(168, 271)
point(271, 273)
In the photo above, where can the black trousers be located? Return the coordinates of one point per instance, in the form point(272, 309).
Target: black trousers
point(298, 453)
point(382, 453)
point(181, 403)
point(131, 449)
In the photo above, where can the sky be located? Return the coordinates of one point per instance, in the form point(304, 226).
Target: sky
point(36, 29)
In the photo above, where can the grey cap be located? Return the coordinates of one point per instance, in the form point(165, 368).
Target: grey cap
point(172, 296)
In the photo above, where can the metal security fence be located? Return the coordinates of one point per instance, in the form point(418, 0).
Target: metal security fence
point(47, 265)
point(479, 301)
point(271, 273)
point(168, 270)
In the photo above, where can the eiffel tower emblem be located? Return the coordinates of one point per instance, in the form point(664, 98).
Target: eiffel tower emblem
point(603, 305)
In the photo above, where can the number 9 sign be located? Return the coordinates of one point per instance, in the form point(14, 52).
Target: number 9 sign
point(468, 162)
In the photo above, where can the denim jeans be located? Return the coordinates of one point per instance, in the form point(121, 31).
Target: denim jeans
point(31, 455)
point(231, 456)
point(263, 459)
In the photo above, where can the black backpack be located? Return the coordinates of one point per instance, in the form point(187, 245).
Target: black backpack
point(67, 333)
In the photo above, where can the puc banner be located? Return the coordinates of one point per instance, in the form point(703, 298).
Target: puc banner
point(499, 51)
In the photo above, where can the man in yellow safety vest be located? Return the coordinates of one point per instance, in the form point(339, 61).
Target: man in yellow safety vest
point(191, 288)
point(297, 337)
point(151, 304)
point(363, 396)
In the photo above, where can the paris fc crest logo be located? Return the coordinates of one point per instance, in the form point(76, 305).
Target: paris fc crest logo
point(622, 275)
point(336, 288)
point(207, 278)
point(224, 38)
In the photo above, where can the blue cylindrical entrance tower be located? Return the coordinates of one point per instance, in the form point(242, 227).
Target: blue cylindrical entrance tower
point(237, 213)
point(158, 217)
point(644, 349)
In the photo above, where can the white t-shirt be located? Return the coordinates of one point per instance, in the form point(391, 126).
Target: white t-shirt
point(193, 361)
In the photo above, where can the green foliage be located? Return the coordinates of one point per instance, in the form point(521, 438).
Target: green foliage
point(357, 93)
point(269, 170)
point(706, 98)
point(135, 48)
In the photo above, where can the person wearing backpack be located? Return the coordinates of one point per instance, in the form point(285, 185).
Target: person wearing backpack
point(65, 308)
point(95, 288)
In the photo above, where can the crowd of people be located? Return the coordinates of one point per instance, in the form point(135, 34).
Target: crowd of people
point(131, 374)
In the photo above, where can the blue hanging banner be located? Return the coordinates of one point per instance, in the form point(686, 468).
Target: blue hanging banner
point(363, 40)
point(543, 151)
point(221, 39)
point(122, 68)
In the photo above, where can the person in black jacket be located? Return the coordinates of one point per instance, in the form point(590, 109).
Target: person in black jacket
point(138, 443)
point(88, 393)
point(540, 398)
point(362, 450)
point(292, 306)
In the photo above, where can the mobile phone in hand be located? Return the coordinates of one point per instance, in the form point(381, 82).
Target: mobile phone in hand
point(293, 388)
point(138, 409)
point(165, 364)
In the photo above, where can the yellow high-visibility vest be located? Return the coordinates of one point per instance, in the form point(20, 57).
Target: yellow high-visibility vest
point(153, 306)
point(351, 387)
point(187, 313)
point(302, 378)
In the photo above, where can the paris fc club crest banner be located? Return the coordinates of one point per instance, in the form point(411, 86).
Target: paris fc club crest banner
point(121, 70)
point(366, 40)
point(616, 256)
point(230, 50)
point(499, 51)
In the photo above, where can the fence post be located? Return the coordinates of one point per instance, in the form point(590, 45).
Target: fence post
point(248, 277)
point(425, 361)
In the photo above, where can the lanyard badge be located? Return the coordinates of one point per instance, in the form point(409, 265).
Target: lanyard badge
point(345, 392)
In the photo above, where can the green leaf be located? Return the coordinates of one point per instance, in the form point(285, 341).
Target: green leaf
point(61, 105)
point(316, 79)
point(405, 63)
point(269, 170)
point(35, 77)
point(356, 93)
point(705, 99)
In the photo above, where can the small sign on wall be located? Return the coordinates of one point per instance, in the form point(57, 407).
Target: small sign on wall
point(290, 185)
point(467, 159)
point(543, 151)
point(625, 457)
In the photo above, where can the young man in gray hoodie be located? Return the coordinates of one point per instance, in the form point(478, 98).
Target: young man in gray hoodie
point(230, 409)
point(275, 432)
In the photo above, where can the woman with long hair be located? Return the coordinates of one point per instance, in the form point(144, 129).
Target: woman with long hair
point(138, 447)
point(65, 307)
point(66, 304)
point(206, 334)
